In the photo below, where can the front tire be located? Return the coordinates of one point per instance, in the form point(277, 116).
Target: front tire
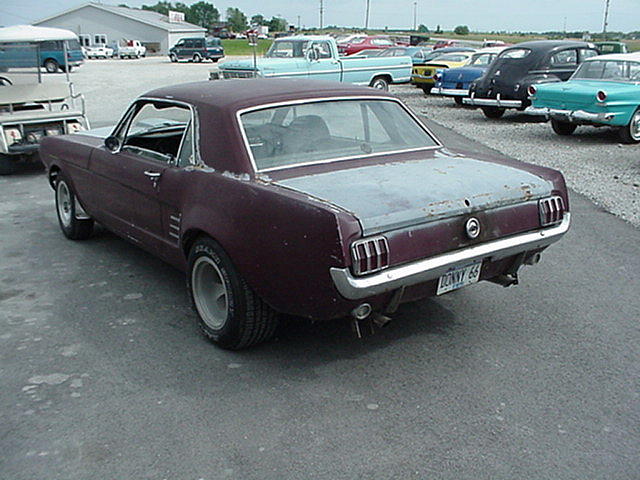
point(197, 58)
point(493, 112)
point(631, 132)
point(229, 312)
point(458, 100)
point(72, 227)
point(173, 58)
point(563, 128)
point(7, 165)
point(380, 83)
point(426, 89)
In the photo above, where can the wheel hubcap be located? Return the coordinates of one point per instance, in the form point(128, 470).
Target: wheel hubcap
point(634, 127)
point(209, 293)
point(64, 203)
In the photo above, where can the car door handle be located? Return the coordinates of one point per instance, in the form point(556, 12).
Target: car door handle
point(153, 176)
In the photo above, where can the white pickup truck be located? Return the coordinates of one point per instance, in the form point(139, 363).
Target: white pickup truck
point(132, 49)
point(317, 57)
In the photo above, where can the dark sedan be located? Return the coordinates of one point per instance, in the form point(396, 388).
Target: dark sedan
point(318, 200)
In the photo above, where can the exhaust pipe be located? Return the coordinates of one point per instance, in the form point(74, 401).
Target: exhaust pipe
point(380, 320)
point(505, 280)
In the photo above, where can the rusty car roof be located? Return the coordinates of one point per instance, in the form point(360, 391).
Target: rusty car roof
point(242, 93)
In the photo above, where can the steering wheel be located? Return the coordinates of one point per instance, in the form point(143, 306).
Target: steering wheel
point(5, 81)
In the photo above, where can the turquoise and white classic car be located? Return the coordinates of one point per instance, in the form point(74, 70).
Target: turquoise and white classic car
point(604, 91)
point(317, 57)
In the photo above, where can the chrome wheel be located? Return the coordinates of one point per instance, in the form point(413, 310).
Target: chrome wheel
point(209, 293)
point(634, 126)
point(380, 84)
point(63, 197)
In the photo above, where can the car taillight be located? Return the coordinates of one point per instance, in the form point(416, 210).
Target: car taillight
point(73, 127)
point(601, 96)
point(12, 135)
point(370, 255)
point(551, 210)
point(532, 90)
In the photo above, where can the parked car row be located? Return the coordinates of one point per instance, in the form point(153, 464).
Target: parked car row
point(570, 83)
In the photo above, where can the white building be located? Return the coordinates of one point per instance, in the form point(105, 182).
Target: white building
point(97, 24)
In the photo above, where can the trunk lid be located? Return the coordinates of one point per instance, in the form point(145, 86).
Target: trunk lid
point(395, 195)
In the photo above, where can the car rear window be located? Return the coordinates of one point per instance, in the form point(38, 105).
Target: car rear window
point(515, 53)
point(323, 131)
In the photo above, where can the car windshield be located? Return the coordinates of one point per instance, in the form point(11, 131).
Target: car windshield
point(612, 70)
point(287, 49)
point(322, 131)
point(453, 57)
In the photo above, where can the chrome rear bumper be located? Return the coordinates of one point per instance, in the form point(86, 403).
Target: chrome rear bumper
point(492, 102)
point(571, 115)
point(450, 92)
point(432, 268)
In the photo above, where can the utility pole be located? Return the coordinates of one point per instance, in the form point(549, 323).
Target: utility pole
point(606, 18)
point(298, 22)
point(415, 16)
point(321, 13)
point(366, 18)
point(565, 27)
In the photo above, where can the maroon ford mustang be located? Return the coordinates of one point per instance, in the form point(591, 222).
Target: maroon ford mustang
point(313, 199)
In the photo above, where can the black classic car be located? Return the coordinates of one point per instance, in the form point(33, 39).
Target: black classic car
point(506, 83)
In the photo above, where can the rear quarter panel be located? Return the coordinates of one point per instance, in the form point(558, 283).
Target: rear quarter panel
point(361, 71)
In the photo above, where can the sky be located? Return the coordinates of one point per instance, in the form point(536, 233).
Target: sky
point(479, 15)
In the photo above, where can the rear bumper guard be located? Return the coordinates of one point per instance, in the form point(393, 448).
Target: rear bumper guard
point(420, 271)
point(450, 92)
point(492, 102)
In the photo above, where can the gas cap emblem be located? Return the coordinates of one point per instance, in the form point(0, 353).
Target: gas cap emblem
point(473, 228)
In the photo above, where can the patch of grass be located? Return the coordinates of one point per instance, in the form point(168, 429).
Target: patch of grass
point(242, 47)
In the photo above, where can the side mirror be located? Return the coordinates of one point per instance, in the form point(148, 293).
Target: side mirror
point(112, 143)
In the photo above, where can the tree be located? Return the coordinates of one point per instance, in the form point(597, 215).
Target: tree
point(160, 7)
point(277, 24)
point(202, 13)
point(258, 20)
point(236, 20)
point(461, 30)
point(423, 29)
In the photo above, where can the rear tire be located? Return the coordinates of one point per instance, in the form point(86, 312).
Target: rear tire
point(458, 100)
point(631, 132)
point(563, 128)
point(380, 83)
point(230, 313)
point(72, 227)
point(493, 112)
point(51, 66)
point(426, 89)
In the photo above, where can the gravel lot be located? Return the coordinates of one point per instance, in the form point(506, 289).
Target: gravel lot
point(593, 161)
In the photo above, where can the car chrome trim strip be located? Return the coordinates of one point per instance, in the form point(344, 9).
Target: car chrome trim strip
point(247, 146)
point(420, 271)
point(571, 114)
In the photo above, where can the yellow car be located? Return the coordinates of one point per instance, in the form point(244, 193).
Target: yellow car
point(424, 76)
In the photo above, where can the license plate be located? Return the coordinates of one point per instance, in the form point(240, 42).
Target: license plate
point(459, 277)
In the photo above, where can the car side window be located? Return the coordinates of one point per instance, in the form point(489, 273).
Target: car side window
point(565, 58)
point(381, 41)
point(180, 43)
point(188, 44)
point(324, 51)
point(155, 130)
point(186, 155)
point(199, 43)
point(587, 53)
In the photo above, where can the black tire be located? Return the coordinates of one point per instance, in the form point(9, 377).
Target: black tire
point(173, 58)
point(380, 83)
point(426, 89)
point(197, 58)
point(631, 132)
point(215, 60)
point(563, 128)
point(72, 227)
point(7, 165)
point(64, 69)
point(493, 112)
point(458, 100)
point(51, 66)
point(245, 320)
